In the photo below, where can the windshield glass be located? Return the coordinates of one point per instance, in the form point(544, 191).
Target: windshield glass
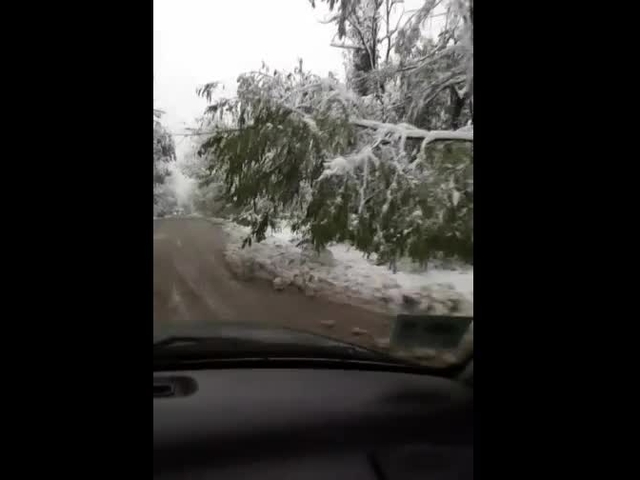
point(313, 171)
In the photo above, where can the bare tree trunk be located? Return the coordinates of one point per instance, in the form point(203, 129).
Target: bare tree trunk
point(388, 15)
point(457, 104)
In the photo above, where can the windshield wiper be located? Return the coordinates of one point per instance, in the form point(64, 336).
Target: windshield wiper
point(175, 352)
point(174, 340)
point(190, 348)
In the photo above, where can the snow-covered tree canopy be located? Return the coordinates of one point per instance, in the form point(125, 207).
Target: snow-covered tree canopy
point(389, 50)
point(164, 151)
point(387, 168)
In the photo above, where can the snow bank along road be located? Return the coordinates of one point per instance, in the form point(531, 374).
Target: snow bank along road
point(192, 285)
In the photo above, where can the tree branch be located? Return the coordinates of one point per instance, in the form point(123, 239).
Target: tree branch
point(388, 34)
point(450, 80)
point(331, 19)
point(409, 131)
point(362, 39)
point(402, 129)
point(351, 47)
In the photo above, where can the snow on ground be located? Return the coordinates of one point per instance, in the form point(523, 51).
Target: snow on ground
point(344, 275)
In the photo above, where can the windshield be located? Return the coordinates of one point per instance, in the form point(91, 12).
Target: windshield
point(313, 173)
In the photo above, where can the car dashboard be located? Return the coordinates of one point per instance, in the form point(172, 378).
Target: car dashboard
point(311, 423)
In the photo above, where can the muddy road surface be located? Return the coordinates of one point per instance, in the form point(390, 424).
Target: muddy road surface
point(193, 286)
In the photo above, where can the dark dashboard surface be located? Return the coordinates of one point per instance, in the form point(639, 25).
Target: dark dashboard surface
point(311, 423)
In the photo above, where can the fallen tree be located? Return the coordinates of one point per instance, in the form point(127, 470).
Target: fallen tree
point(387, 170)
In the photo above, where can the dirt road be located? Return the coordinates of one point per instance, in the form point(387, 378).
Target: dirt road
point(192, 285)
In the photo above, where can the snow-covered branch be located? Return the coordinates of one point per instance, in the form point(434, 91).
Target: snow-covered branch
point(465, 135)
point(349, 47)
point(409, 131)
